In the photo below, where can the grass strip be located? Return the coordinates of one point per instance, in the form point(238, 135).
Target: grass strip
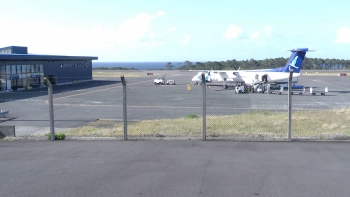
point(318, 124)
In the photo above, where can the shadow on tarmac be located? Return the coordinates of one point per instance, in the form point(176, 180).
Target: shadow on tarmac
point(43, 91)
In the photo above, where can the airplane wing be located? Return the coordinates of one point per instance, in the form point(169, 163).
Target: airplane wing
point(236, 74)
point(229, 74)
point(223, 75)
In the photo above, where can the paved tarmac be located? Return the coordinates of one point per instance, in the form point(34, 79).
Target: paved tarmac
point(173, 168)
point(102, 98)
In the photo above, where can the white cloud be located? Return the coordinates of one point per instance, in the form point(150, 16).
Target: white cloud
point(260, 36)
point(172, 29)
point(232, 32)
point(186, 40)
point(133, 30)
point(152, 40)
point(255, 35)
point(160, 13)
point(268, 30)
point(343, 35)
point(48, 38)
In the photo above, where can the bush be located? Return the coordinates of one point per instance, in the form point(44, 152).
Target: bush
point(262, 112)
point(58, 136)
point(192, 116)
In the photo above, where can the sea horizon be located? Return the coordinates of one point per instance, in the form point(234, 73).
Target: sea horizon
point(137, 65)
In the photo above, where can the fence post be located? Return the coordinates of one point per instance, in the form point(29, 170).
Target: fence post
point(124, 108)
point(290, 106)
point(204, 125)
point(52, 120)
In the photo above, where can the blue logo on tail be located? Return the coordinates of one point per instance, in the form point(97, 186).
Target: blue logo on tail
point(294, 62)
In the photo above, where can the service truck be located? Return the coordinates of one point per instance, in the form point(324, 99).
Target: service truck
point(160, 80)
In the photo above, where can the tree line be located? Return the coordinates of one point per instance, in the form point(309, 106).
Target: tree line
point(113, 68)
point(308, 64)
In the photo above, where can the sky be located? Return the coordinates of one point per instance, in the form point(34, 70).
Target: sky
point(165, 31)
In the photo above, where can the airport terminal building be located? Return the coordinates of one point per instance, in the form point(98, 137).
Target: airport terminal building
point(20, 70)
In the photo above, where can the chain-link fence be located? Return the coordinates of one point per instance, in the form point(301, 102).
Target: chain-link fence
point(143, 110)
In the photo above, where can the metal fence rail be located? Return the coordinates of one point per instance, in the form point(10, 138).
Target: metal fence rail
point(109, 108)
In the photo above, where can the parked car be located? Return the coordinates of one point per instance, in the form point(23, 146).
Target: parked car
point(170, 82)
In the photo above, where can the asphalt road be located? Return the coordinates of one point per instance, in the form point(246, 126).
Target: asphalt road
point(173, 168)
point(102, 98)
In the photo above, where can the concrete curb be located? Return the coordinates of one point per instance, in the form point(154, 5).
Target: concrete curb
point(230, 139)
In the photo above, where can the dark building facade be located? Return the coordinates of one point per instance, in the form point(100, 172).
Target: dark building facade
point(20, 70)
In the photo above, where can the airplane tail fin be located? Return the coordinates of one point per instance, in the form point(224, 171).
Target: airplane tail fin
point(296, 59)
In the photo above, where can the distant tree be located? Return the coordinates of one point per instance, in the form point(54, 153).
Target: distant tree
point(169, 66)
point(200, 66)
point(187, 65)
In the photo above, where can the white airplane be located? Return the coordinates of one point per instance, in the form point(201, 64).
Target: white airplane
point(197, 79)
point(251, 77)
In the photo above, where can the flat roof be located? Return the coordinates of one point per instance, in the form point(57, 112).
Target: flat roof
point(36, 57)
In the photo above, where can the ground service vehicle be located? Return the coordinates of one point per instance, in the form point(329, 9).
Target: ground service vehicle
point(170, 82)
point(160, 80)
point(240, 89)
point(257, 88)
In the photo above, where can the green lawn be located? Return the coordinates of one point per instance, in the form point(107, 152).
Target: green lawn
point(317, 124)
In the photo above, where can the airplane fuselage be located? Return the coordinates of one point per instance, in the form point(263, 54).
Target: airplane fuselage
point(250, 78)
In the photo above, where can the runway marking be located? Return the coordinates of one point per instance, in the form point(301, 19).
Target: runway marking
point(342, 103)
point(118, 86)
point(32, 100)
point(87, 92)
point(311, 103)
point(181, 107)
point(329, 83)
point(94, 102)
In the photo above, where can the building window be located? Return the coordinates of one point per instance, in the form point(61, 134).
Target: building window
point(29, 68)
point(24, 69)
point(19, 70)
point(8, 69)
point(37, 68)
point(13, 69)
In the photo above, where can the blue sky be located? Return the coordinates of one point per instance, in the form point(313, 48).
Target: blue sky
point(161, 30)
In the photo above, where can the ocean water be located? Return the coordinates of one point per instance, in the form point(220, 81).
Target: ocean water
point(136, 65)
